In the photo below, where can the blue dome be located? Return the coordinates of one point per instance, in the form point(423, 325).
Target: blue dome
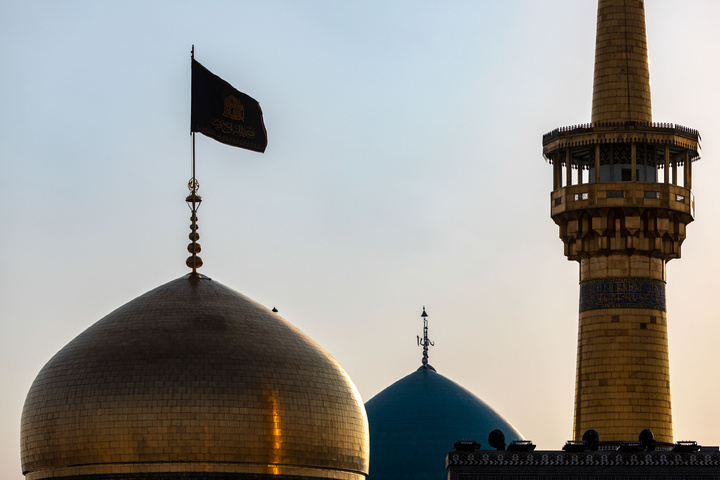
point(415, 422)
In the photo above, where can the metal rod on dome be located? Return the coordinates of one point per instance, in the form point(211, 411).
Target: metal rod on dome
point(192, 57)
point(193, 200)
point(425, 342)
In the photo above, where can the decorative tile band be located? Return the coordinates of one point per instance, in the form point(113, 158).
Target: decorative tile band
point(622, 293)
point(602, 459)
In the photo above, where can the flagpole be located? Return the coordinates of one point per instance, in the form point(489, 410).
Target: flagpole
point(193, 200)
point(192, 57)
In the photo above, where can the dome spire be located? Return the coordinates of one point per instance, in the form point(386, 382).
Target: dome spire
point(193, 200)
point(425, 341)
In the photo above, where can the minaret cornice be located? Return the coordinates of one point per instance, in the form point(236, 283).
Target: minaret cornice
point(658, 134)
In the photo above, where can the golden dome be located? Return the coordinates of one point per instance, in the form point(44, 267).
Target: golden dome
point(193, 377)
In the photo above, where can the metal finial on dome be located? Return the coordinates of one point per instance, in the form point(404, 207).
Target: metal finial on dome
point(193, 200)
point(425, 342)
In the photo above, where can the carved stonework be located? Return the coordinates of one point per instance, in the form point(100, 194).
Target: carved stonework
point(604, 231)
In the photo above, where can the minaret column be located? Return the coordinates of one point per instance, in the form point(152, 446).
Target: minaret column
point(621, 84)
point(623, 372)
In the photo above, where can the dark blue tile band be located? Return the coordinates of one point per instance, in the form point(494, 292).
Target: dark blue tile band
point(622, 293)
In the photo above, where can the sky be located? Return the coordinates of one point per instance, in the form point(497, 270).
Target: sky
point(404, 169)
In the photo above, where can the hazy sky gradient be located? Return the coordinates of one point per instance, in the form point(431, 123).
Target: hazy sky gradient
point(404, 168)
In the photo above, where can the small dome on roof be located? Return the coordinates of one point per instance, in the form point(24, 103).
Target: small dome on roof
point(193, 377)
point(415, 422)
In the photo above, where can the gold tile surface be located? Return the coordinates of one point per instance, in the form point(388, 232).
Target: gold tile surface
point(194, 375)
point(621, 87)
point(623, 374)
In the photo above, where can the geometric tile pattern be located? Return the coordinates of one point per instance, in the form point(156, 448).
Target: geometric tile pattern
point(622, 293)
point(597, 458)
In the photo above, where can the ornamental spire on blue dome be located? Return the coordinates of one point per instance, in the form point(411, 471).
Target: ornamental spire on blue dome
point(425, 341)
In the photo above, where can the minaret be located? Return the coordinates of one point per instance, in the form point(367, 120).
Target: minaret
point(622, 199)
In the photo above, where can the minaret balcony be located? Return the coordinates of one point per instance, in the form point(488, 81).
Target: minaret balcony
point(624, 151)
point(588, 196)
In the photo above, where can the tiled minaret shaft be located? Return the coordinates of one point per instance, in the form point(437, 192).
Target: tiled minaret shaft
point(622, 199)
point(621, 86)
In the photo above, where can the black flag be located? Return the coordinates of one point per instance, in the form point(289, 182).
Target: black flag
point(223, 113)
